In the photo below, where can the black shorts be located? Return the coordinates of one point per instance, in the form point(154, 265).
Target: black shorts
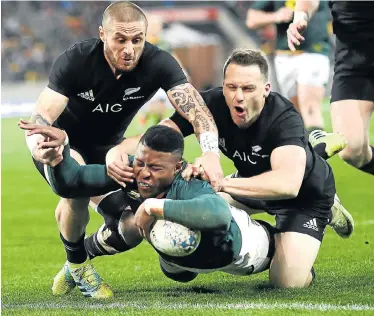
point(353, 71)
point(311, 221)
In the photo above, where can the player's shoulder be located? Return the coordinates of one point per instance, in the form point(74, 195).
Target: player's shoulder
point(185, 190)
point(277, 103)
point(154, 55)
point(214, 99)
point(277, 108)
point(84, 49)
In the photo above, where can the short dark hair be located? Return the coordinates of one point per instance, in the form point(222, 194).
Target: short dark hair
point(124, 11)
point(248, 57)
point(164, 139)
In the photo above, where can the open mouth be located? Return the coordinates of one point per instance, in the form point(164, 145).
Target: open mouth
point(239, 111)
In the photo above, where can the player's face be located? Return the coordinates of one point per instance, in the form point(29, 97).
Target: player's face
point(123, 44)
point(245, 90)
point(154, 171)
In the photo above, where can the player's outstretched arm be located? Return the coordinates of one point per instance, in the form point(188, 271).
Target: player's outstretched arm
point(69, 179)
point(47, 109)
point(66, 176)
point(191, 106)
point(282, 182)
point(204, 212)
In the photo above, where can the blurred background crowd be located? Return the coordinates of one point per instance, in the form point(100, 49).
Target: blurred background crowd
point(34, 33)
point(199, 34)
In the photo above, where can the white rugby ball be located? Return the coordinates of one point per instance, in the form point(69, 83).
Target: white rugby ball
point(174, 239)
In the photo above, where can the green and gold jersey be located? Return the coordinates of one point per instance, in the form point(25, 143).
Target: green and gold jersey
point(316, 35)
point(193, 204)
point(218, 247)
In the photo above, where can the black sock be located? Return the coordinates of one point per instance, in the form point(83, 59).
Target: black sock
point(369, 167)
point(93, 248)
point(75, 251)
point(320, 149)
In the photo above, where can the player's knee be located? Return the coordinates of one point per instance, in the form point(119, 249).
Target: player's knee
point(183, 276)
point(72, 206)
point(291, 280)
point(353, 154)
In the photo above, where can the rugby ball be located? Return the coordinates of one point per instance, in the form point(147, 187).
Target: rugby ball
point(173, 239)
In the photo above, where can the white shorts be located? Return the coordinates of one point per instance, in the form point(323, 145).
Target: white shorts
point(307, 69)
point(253, 256)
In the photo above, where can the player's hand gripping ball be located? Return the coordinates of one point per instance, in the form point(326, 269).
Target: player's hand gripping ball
point(173, 239)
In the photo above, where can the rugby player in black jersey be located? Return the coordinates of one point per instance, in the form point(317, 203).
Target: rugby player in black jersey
point(263, 134)
point(95, 89)
point(352, 95)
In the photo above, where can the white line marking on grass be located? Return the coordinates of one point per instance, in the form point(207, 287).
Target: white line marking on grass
point(369, 222)
point(181, 306)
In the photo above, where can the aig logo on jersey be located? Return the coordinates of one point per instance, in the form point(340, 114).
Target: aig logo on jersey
point(131, 91)
point(249, 158)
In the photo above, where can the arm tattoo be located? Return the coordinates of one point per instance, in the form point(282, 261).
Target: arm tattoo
point(183, 100)
point(202, 104)
point(201, 121)
point(37, 118)
point(189, 103)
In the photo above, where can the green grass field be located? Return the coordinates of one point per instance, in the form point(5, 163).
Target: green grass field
point(32, 254)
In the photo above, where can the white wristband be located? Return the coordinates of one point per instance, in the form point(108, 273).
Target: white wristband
point(300, 16)
point(153, 203)
point(209, 142)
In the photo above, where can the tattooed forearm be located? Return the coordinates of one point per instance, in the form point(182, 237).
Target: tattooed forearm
point(183, 100)
point(201, 122)
point(202, 104)
point(37, 118)
point(191, 106)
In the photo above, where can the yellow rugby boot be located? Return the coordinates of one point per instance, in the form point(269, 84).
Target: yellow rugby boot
point(63, 282)
point(334, 142)
point(88, 280)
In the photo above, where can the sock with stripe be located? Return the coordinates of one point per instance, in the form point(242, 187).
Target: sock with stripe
point(314, 128)
point(75, 251)
point(98, 245)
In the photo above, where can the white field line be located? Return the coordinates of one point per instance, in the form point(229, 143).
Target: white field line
point(363, 223)
point(238, 306)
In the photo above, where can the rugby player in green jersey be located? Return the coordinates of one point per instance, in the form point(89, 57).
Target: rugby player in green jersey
point(230, 240)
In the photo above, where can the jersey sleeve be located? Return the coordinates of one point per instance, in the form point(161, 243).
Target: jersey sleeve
point(288, 129)
point(267, 6)
point(194, 204)
point(70, 180)
point(170, 72)
point(184, 126)
point(63, 74)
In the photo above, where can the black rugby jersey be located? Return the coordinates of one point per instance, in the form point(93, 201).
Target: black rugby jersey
point(100, 107)
point(279, 124)
point(353, 20)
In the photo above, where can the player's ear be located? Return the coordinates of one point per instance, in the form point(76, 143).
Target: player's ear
point(102, 33)
point(178, 166)
point(267, 89)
